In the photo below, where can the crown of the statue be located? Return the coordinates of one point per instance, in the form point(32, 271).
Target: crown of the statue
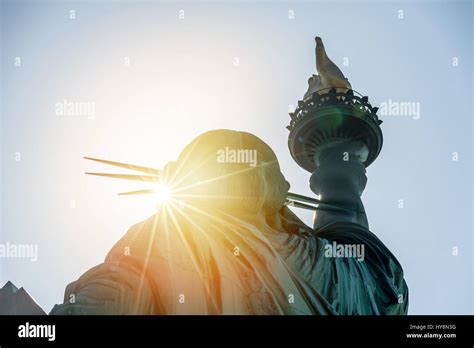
point(332, 115)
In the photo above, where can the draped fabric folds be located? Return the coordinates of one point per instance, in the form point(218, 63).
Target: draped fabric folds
point(171, 265)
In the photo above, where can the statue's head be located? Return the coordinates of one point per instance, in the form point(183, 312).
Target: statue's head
point(229, 170)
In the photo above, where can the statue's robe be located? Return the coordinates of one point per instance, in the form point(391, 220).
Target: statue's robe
point(154, 269)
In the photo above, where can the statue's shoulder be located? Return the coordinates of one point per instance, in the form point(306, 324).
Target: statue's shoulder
point(292, 223)
point(141, 227)
point(137, 227)
point(135, 236)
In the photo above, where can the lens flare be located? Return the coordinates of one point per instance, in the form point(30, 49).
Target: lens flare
point(162, 193)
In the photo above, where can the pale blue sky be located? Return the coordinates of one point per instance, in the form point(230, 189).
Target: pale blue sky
point(183, 79)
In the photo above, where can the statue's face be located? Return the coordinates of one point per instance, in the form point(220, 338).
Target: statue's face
point(225, 168)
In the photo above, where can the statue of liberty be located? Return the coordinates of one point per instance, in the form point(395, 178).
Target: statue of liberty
point(227, 243)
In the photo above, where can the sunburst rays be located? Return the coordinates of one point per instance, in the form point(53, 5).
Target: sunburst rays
point(172, 183)
point(184, 232)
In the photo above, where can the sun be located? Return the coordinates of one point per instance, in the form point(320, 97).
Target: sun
point(162, 193)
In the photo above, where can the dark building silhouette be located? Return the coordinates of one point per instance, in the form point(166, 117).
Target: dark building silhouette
point(14, 301)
